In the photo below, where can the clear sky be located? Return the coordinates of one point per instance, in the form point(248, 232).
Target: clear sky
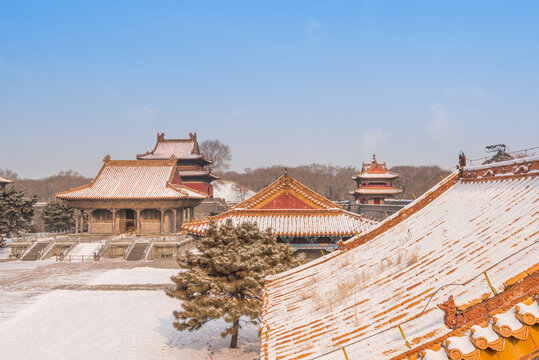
point(281, 82)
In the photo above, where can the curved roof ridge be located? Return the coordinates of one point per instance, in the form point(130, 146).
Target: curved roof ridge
point(282, 183)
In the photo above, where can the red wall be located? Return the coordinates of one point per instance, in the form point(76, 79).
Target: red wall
point(202, 187)
point(286, 201)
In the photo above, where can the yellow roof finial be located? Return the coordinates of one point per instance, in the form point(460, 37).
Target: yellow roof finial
point(374, 158)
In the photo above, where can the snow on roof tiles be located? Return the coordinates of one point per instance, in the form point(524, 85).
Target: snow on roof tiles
point(183, 149)
point(377, 190)
point(316, 222)
point(133, 179)
point(317, 216)
point(355, 298)
point(180, 148)
point(5, 180)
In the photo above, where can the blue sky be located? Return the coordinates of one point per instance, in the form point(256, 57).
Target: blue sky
point(281, 82)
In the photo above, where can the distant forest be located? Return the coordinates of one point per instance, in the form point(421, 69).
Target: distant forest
point(333, 182)
point(45, 188)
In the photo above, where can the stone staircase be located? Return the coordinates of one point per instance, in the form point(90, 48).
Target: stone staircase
point(138, 251)
point(35, 251)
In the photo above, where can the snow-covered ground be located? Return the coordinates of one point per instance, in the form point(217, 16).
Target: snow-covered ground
point(106, 325)
point(4, 253)
point(231, 191)
point(84, 251)
point(138, 275)
point(68, 310)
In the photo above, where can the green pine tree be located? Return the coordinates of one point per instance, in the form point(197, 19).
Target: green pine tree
point(58, 216)
point(225, 277)
point(16, 212)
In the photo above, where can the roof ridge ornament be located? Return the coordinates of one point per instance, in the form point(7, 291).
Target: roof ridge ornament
point(173, 158)
point(160, 137)
point(106, 159)
point(374, 158)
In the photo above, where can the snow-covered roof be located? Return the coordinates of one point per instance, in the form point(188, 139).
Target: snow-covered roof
point(5, 180)
point(183, 149)
point(368, 190)
point(375, 170)
point(396, 273)
point(289, 208)
point(134, 179)
point(283, 222)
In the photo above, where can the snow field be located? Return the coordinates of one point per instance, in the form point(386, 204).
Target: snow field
point(101, 324)
point(138, 275)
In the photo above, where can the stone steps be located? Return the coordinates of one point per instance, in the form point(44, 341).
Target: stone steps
point(35, 251)
point(138, 251)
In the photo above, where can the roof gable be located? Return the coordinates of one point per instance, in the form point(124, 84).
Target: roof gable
point(286, 193)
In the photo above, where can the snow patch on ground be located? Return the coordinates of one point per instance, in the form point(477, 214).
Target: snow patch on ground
point(4, 253)
point(84, 251)
point(82, 325)
point(231, 191)
point(138, 275)
point(23, 265)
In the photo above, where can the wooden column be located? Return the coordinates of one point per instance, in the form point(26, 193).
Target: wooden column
point(188, 214)
point(77, 221)
point(161, 221)
point(175, 221)
point(82, 221)
point(138, 219)
point(90, 212)
point(113, 221)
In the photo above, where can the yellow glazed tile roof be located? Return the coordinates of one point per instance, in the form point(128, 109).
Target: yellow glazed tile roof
point(133, 179)
point(396, 273)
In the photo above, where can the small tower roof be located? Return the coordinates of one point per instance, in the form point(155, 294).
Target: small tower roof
point(375, 170)
point(4, 180)
point(183, 149)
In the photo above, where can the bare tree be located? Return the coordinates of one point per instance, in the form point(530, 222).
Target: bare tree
point(218, 152)
point(8, 173)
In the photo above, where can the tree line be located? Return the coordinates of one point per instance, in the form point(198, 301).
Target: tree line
point(45, 188)
point(335, 182)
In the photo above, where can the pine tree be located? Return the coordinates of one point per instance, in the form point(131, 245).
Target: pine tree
point(225, 277)
point(16, 212)
point(58, 216)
